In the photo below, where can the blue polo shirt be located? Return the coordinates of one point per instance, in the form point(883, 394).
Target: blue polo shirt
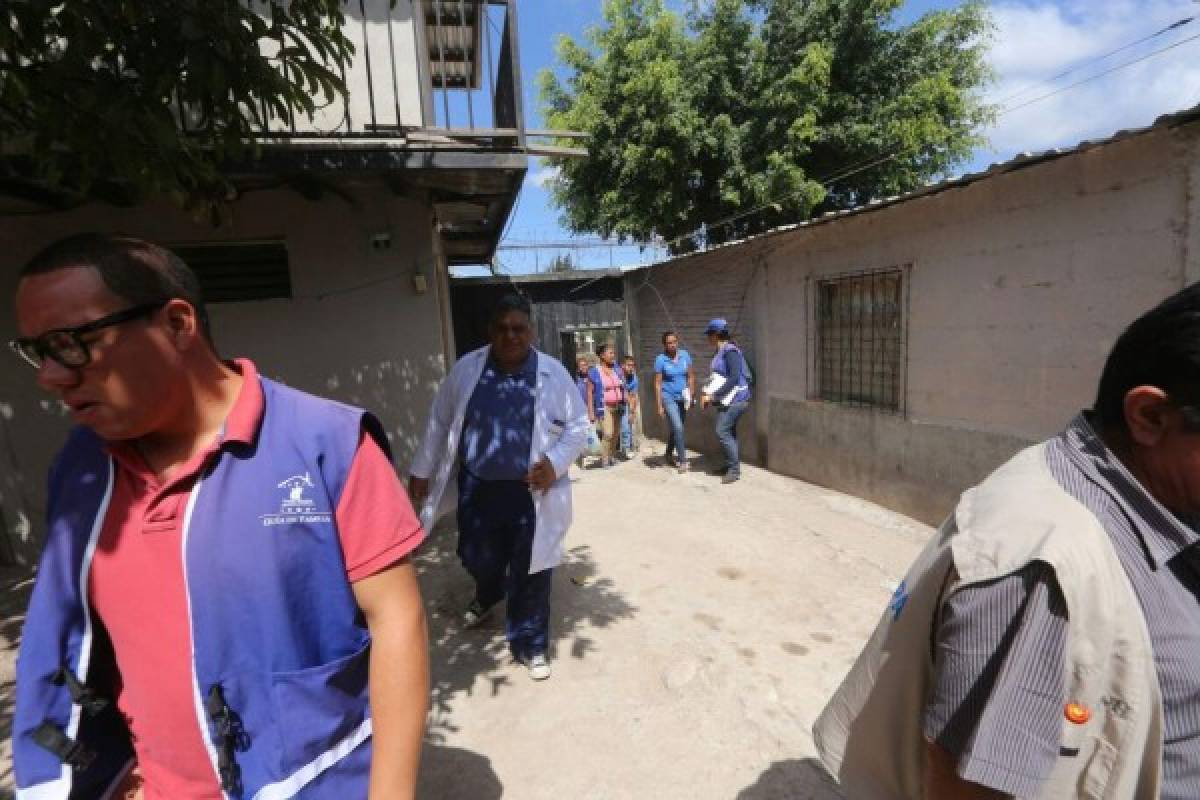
point(498, 429)
point(674, 372)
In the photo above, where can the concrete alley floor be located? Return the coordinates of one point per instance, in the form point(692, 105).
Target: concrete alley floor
point(698, 630)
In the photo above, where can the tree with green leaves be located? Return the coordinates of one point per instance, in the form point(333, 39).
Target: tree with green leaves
point(93, 94)
point(745, 114)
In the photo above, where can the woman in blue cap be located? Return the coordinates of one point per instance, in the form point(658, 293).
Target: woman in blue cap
point(728, 388)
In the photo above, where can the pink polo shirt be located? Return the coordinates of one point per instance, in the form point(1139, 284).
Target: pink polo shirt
point(137, 590)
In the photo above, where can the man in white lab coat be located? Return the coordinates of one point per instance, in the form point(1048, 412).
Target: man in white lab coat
point(510, 421)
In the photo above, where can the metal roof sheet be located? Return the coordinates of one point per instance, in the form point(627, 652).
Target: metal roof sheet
point(1014, 164)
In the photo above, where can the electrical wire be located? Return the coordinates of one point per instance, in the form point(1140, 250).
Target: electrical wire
point(862, 166)
point(1162, 31)
point(1099, 75)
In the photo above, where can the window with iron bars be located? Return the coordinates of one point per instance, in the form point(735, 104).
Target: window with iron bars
point(860, 339)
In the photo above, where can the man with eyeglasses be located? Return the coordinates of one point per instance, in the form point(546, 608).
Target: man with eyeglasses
point(1046, 643)
point(510, 420)
point(226, 605)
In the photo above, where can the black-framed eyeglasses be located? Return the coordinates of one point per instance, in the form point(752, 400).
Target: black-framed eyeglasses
point(66, 345)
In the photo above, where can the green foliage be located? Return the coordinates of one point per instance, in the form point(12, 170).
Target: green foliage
point(92, 92)
point(759, 103)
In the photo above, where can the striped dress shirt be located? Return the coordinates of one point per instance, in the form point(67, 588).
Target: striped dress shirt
point(999, 648)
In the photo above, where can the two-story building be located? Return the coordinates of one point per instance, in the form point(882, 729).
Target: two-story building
point(330, 267)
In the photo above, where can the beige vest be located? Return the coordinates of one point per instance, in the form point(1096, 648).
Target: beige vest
point(870, 734)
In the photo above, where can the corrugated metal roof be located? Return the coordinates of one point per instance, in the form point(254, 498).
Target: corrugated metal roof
point(1014, 164)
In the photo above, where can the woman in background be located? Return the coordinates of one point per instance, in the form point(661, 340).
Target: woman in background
point(729, 390)
point(674, 388)
point(608, 397)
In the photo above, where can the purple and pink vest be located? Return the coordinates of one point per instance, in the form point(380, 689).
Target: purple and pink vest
point(280, 648)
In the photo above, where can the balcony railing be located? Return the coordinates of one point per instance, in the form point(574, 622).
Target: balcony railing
point(435, 73)
point(471, 75)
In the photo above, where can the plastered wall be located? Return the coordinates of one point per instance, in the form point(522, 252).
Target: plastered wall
point(355, 330)
point(1018, 286)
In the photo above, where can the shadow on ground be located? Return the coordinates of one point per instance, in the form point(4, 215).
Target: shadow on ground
point(795, 779)
point(582, 599)
point(449, 772)
point(695, 463)
point(15, 585)
point(464, 663)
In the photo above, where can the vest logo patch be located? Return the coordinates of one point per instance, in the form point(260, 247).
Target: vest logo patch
point(296, 507)
point(1116, 706)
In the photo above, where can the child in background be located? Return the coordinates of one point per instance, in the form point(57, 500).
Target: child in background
point(629, 420)
point(583, 383)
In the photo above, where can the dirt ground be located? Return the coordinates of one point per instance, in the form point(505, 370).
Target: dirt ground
point(697, 629)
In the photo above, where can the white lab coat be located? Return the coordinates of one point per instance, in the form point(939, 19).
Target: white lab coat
point(560, 432)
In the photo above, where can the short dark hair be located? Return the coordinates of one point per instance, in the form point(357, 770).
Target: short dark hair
point(628, 358)
point(137, 271)
point(606, 346)
point(668, 333)
point(1161, 348)
point(510, 302)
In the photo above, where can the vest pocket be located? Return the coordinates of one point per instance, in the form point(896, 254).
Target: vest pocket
point(1097, 774)
point(319, 707)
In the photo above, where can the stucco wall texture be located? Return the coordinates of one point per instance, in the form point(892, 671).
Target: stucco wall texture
point(355, 329)
point(1018, 285)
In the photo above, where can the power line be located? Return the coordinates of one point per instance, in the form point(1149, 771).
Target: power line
point(862, 166)
point(865, 164)
point(1099, 75)
point(1173, 26)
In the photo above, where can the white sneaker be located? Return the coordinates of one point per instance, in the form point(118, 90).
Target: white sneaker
point(539, 667)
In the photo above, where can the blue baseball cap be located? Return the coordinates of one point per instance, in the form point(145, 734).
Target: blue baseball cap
point(718, 325)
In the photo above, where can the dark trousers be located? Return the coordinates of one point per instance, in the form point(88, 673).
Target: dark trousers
point(727, 419)
point(495, 541)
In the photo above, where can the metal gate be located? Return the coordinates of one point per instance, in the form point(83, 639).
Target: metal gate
point(572, 311)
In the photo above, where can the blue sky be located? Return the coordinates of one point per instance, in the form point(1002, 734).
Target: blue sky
point(1035, 40)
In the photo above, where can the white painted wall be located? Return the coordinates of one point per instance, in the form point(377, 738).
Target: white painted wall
point(382, 80)
point(355, 329)
point(1020, 284)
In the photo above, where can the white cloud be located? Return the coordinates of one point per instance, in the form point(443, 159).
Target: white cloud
point(1038, 39)
point(543, 177)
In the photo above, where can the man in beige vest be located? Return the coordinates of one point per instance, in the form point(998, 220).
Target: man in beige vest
point(1046, 643)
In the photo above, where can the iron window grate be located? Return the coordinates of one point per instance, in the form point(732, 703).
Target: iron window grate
point(860, 342)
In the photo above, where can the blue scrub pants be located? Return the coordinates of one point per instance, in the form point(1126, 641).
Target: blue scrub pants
point(496, 524)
